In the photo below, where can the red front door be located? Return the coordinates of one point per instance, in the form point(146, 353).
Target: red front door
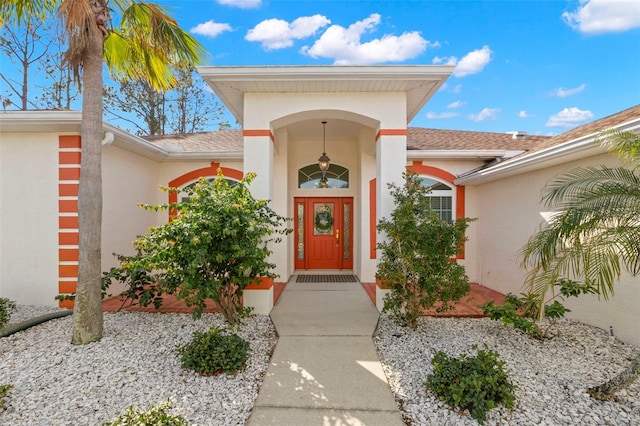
point(324, 233)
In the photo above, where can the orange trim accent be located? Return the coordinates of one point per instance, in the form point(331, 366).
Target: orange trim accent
point(261, 283)
point(373, 218)
point(259, 133)
point(421, 169)
point(212, 170)
point(68, 254)
point(68, 206)
point(69, 158)
point(70, 271)
point(69, 141)
point(391, 132)
point(68, 238)
point(67, 286)
point(66, 304)
point(68, 222)
point(69, 173)
point(382, 285)
point(68, 189)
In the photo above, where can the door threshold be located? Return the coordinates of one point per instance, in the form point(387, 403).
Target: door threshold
point(323, 272)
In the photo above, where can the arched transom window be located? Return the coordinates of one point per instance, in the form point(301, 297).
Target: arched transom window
point(311, 177)
point(442, 197)
point(183, 195)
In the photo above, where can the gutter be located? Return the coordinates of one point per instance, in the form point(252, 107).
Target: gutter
point(475, 154)
point(579, 148)
point(143, 147)
point(213, 155)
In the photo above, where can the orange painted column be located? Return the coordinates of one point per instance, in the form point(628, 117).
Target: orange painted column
point(68, 236)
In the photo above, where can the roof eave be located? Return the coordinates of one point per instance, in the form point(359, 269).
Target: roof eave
point(207, 156)
point(217, 76)
point(579, 148)
point(472, 154)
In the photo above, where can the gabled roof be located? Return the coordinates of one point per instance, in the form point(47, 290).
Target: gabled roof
point(419, 82)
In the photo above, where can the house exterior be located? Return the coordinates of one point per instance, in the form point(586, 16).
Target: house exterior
point(366, 111)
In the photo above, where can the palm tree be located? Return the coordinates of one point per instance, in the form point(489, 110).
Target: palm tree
point(146, 45)
point(595, 233)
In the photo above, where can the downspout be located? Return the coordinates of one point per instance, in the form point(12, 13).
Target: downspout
point(21, 326)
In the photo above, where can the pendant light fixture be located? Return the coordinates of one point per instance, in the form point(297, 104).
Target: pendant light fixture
point(324, 160)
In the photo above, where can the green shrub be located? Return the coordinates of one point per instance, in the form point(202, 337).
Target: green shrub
point(7, 307)
point(477, 383)
point(418, 250)
point(154, 416)
point(4, 390)
point(215, 245)
point(523, 312)
point(214, 352)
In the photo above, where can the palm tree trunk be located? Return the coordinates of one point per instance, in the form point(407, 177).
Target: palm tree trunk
point(87, 312)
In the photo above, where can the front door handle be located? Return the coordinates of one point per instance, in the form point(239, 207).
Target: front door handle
point(337, 237)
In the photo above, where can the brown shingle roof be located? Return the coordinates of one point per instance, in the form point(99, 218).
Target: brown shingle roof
point(435, 139)
point(418, 138)
point(221, 140)
point(591, 128)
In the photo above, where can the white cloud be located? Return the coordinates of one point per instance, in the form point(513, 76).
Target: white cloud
point(602, 16)
point(569, 117)
point(242, 4)
point(485, 114)
point(438, 115)
point(456, 104)
point(473, 62)
point(344, 45)
point(457, 88)
point(277, 34)
point(523, 114)
point(210, 28)
point(565, 93)
point(451, 60)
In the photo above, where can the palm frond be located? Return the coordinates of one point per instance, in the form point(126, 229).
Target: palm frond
point(148, 45)
point(585, 183)
point(16, 12)
point(595, 232)
point(625, 145)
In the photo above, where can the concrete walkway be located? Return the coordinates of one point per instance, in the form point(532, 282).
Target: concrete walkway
point(325, 370)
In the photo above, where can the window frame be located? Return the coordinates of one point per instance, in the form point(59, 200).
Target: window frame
point(442, 193)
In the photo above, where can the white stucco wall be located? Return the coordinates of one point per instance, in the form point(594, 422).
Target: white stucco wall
point(282, 255)
point(127, 180)
point(29, 217)
point(509, 212)
point(388, 109)
point(367, 269)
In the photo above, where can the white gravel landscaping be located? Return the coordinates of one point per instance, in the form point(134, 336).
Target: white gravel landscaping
point(552, 376)
point(56, 383)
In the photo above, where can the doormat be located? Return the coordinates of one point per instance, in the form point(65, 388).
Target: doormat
point(326, 279)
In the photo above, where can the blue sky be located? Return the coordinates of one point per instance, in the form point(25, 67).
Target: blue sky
point(538, 66)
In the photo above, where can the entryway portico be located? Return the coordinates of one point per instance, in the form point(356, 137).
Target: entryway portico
point(366, 109)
